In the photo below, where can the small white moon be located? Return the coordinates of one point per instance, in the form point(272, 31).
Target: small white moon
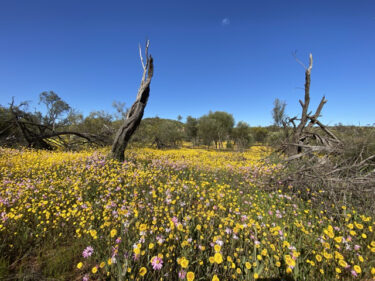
point(225, 21)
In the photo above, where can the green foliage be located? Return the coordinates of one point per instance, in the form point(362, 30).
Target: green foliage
point(275, 138)
point(96, 122)
point(260, 134)
point(57, 262)
point(278, 112)
point(191, 129)
point(160, 132)
point(6, 129)
point(4, 268)
point(74, 118)
point(242, 135)
point(359, 143)
point(10, 132)
point(56, 108)
point(215, 127)
point(207, 130)
point(229, 145)
point(121, 111)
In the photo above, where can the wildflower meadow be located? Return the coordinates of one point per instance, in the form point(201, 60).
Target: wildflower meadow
point(184, 214)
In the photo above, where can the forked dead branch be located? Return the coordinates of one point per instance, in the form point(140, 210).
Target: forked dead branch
point(299, 138)
point(317, 159)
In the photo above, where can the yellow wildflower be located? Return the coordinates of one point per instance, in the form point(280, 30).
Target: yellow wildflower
point(143, 271)
point(357, 269)
point(248, 265)
point(217, 248)
point(184, 262)
point(218, 258)
point(318, 258)
point(190, 276)
point(113, 233)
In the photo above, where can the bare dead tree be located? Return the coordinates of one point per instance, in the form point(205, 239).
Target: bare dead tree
point(297, 142)
point(316, 159)
point(135, 114)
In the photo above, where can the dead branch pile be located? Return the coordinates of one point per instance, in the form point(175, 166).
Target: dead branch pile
point(319, 162)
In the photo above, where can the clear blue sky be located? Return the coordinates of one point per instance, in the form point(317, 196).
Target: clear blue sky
point(233, 56)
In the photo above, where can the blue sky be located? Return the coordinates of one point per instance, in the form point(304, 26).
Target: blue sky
point(234, 56)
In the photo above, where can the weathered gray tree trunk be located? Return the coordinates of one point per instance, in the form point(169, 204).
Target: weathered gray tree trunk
point(305, 105)
point(135, 114)
point(297, 141)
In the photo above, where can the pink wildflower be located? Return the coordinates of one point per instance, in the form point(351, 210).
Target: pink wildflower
point(182, 274)
point(160, 239)
point(87, 252)
point(157, 263)
point(136, 257)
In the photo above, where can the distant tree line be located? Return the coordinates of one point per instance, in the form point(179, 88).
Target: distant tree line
point(20, 126)
point(61, 126)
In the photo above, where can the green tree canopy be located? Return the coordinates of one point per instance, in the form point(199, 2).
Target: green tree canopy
point(242, 135)
point(56, 108)
point(216, 126)
point(278, 112)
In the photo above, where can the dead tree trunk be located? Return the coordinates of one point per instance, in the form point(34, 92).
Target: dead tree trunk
point(135, 114)
point(298, 140)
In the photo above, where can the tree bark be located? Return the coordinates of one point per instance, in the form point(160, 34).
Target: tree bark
point(303, 131)
point(135, 114)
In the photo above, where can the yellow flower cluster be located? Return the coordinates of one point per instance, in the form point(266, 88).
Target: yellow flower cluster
point(171, 214)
